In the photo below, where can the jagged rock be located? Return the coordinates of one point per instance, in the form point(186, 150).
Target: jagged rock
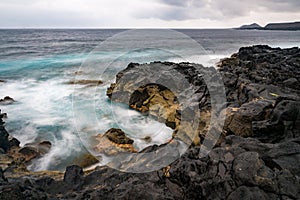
point(29, 153)
point(172, 93)
point(114, 141)
point(291, 82)
point(86, 160)
point(241, 122)
point(248, 193)
point(74, 176)
point(263, 167)
point(6, 100)
point(281, 125)
point(14, 142)
point(40, 148)
point(4, 143)
point(117, 136)
point(11, 191)
point(238, 168)
point(2, 177)
point(44, 147)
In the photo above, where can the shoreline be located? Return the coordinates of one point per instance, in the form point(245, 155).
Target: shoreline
point(255, 145)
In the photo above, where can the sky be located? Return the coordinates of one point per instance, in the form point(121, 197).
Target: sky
point(145, 13)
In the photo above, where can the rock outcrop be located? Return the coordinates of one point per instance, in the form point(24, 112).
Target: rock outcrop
point(266, 107)
point(6, 143)
point(175, 94)
point(6, 100)
point(261, 87)
point(114, 141)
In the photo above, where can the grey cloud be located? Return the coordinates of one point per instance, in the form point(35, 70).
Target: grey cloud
point(185, 3)
point(167, 14)
point(174, 15)
point(175, 2)
point(42, 18)
point(281, 5)
point(218, 9)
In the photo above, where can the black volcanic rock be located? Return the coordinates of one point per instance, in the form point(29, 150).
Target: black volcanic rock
point(74, 176)
point(6, 100)
point(261, 87)
point(238, 168)
point(268, 107)
point(263, 107)
point(5, 142)
point(118, 136)
point(2, 177)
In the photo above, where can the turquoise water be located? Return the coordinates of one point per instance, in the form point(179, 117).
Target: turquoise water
point(36, 64)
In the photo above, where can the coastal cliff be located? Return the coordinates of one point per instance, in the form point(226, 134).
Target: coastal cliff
point(256, 157)
point(289, 26)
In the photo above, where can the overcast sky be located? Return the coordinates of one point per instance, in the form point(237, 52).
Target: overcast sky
point(145, 13)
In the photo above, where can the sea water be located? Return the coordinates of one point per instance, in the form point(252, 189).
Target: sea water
point(37, 64)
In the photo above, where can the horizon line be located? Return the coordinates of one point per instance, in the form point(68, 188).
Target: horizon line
point(117, 28)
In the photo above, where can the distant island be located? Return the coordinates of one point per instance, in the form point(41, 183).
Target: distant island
point(294, 26)
point(251, 26)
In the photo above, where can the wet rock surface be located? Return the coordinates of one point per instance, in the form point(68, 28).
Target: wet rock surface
point(6, 100)
point(257, 156)
point(6, 142)
point(113, 141)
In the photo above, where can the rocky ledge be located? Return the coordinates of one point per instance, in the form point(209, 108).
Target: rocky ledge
point(257, 156)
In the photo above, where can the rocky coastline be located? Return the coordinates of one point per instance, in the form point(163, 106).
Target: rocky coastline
point(256, 157)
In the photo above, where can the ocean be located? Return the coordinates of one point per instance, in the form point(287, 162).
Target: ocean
point(37, 66)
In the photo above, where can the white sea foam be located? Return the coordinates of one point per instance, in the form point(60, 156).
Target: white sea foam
point(61, 150)
point(205, 60)
point(44, 112)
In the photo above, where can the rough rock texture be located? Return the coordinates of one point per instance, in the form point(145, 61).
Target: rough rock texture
point(13, 158)
point(88, 83)
point(114, 141)
point(174, 94)
point(258, 159)
point(6, 100)
point(240, 168)
point(74, 176)
point(258, 83)
point(261, 87)
point(5, 142)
